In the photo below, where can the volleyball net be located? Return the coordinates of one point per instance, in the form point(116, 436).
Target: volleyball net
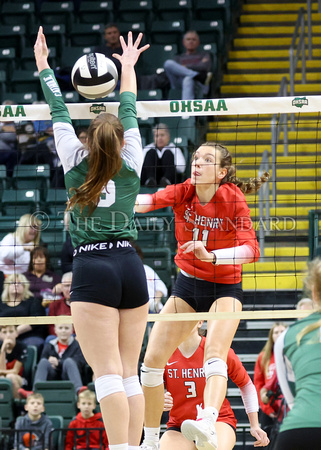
point(279, 135)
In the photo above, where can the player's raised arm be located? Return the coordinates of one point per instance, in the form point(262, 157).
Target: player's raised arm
point(128, 59)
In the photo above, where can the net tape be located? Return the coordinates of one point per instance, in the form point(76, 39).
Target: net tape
point(172, 108)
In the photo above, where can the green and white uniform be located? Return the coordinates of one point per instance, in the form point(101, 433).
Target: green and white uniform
point(106, 268)
point(299, 374)
point(114, 216)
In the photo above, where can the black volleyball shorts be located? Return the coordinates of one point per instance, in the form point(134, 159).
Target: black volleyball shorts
point(201, 294)
point(109, 273)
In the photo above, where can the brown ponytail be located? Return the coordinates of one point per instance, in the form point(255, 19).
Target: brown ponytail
point(105, 139)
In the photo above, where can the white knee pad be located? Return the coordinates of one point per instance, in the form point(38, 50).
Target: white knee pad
point(215, 366)
point(151, 377)
point(107, 385)
point(132, 386)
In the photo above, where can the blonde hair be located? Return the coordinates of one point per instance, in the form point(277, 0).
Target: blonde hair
point(12, 278)
point(312, 281)
point(267, 350)
point(247, 187)
point(25, 221)
point(35, 396)
point(87, 394)
point(105, 140)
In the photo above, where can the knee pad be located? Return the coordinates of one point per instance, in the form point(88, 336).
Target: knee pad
point(151, 377)
point(107, 385)
point(132, 386)
point(215, 366)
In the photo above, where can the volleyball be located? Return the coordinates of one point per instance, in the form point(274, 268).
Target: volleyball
point(94, 76)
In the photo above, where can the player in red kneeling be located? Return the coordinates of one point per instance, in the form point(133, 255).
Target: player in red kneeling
point(185, 382)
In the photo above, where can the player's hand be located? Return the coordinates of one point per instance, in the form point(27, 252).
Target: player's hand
point(197, 247)
point(261, 437)
point(131, 52)
point(168, 401)
point(41, 51)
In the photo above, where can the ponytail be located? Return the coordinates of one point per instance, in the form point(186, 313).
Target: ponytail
point(105, 139)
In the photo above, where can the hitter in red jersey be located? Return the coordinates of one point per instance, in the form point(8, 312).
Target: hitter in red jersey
point(215, 237)
point(185, 382)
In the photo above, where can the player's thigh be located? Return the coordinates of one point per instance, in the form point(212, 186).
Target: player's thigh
point(226, 436)
point(220, 333)
point(166, 336)
point(131, 333)
point(96, 329)
point(174, 440)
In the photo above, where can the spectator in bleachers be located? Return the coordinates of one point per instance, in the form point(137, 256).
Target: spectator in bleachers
point(37, 424)
point(13, 354)
point(263, 372)
point(15, 248)
point(82, 134)
point(18, 301)
point(183, 398)
point(112, 45)
point(163, 160)
point(86, 418)
point(61, 307)
point(61, 358)
point(189, 68)
point(8, 143)
point(39, 274)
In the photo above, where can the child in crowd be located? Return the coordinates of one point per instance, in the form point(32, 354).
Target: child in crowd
point(38, 424)
point(86, 418)
point(12, 356)
point(61, 359)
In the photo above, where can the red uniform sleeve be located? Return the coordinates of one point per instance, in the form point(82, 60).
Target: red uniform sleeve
point(235, 369)
point(172, 195)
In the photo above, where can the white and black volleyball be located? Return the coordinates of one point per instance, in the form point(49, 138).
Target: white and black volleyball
point(94, 76)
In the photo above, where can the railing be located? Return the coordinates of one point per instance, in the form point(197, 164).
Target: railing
point(264, 203)
point(297, 50)
point(276, 127)
point(314, 235)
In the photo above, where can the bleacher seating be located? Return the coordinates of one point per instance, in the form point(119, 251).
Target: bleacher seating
point(60, 398)
point(95, 12)
point(6, 403)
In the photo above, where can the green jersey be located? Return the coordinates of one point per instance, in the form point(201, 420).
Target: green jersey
point(299, 374)
point(114, 216)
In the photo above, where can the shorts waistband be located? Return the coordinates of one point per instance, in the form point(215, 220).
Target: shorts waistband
point(101, 246)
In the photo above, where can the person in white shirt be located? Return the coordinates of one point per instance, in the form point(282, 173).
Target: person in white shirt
point(15, 248)
point(163, 160)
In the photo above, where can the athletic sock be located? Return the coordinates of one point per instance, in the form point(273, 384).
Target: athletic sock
point(151, 434)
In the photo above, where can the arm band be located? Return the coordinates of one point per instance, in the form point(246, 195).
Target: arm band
point(234, 255)
point(249, 397)
point(144, 200)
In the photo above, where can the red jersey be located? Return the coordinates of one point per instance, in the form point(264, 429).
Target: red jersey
point(261, 378)
point(185, 380)
point(224, 222)
point(94, 436)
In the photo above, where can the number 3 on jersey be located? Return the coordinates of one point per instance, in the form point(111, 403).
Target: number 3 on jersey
point(108, 195)
point(191, 389)
point(196, 233)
